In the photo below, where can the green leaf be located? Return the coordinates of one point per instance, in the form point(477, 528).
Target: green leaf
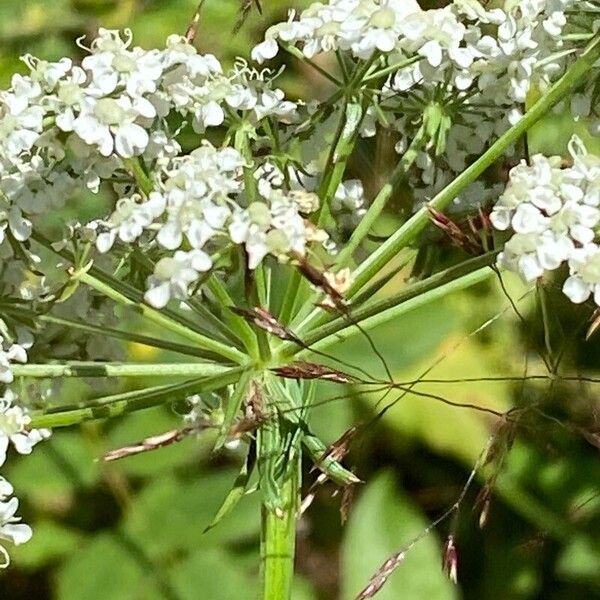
point(213, 573)
point(171, 514)
point(403, 342)
point(106, 568)
point(382, 522)
point(51, 541)
point(427, 419)
point(235, 494)
point(580, 560)
point(57, 467)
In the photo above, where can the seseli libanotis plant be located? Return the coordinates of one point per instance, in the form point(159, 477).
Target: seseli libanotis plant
point(235, 228)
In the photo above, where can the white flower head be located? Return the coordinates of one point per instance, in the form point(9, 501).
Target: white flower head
point(174, 275)
point(110, 124)
point(584, 279)
point(131, 216)
point(11, 529)
point(14, 427)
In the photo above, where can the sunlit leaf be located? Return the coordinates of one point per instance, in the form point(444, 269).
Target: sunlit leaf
point(381, 523)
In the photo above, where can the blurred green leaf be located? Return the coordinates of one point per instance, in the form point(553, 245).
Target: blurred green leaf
point(171, 514)
point(212, 573)
point(106, 569)
point(59, 466)
point(381, 523)
point(580, 560)
point(51, 541)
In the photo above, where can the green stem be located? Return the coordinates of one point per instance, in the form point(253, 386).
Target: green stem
point(376, 313)
point(92, 369)
point(120, 286)
point(122, 335)
point(341, 149)
point(401, 309)
point(237, 323)
point(136, 169)
point(300, 56)
point(120, 404)
point(392, 68)
point(278, 540)
point(398, 174)
point(333, 173)
point(157, 317)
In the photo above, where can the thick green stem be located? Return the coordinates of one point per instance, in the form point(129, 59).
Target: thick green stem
point(278, 540)
point(120, 404)
point(92, 369)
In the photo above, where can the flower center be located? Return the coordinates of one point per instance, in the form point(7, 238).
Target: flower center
point(124, 63)
point(10, 423)
point(278, 242)
point(70, 93)
point(384, 18)
point(326, 29)
point(260, 214)
point(8, 124)
point(165, 268)
point(108, 111)
point(591, 271)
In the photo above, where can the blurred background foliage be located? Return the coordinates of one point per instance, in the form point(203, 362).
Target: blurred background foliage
point(134, 529)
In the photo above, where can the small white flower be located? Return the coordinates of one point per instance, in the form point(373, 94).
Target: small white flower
point(11, 529)
point(173, 276)
point(584, 280)
point(20, 118)
point(13, 353)
point(109, 123)
point(130, 218)
point(265, 50)
point(14, 423)
point(113, 65)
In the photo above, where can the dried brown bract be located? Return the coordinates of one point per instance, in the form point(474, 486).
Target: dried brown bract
point(150, 443)
point(263, 319)
point(308, 370)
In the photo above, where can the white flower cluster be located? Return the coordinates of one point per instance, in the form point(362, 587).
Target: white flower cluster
point(14, 429)
point(360, 26)
point(11, 530)
point(472, 84)
point(198, 209)
point(554, 213)
point(65, 127)
point(472, 66)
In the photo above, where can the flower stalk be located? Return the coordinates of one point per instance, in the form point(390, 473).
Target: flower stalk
point(278, 541)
